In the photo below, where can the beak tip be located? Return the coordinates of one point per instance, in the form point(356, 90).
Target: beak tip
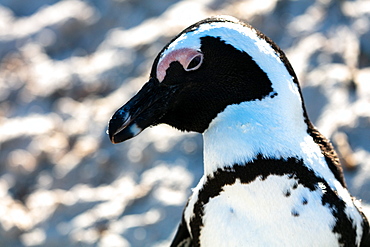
point(117, 125)
point(120, 137)
point(109, 133)
point(113, 137)
point(119, 133)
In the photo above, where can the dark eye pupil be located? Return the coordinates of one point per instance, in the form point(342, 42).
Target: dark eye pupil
point(194, 62)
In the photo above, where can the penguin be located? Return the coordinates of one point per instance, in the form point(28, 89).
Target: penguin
point(270, 177)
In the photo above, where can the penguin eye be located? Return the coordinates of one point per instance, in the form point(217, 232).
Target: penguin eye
point(195, 62)
point(190, 59)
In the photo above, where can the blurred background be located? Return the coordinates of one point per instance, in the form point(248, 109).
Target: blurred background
point(66, 66)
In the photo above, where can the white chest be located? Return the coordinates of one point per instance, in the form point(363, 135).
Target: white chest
point(273, 212)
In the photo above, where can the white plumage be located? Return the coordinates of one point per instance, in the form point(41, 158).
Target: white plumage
point(270, 178)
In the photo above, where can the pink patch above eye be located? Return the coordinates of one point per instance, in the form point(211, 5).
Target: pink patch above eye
point(184, 56)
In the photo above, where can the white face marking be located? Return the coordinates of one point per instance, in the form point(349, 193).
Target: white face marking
point(246, 214)
point(135, 130)
point(241, 37)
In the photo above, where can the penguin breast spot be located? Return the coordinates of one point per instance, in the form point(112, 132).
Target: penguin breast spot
point(287, 193)
point(295, 213)
point(304, 201)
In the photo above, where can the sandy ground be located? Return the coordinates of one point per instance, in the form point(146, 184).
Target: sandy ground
point(66, 66)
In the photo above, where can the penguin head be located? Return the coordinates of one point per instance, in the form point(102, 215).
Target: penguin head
point(212, 64)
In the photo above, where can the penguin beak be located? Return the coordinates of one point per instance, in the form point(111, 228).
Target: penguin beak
point(145, 109)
